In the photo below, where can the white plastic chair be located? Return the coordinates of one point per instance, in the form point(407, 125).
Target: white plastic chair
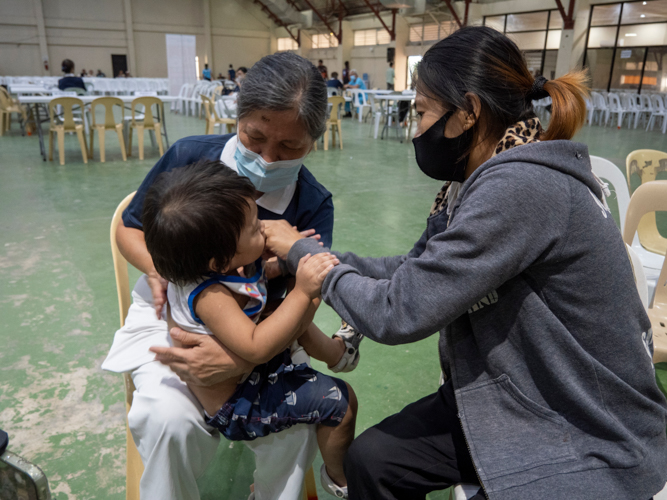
point(630, 107)
point(644, 109)
point(601, 108)
point(659, 111)
point(376, 112)
point(183, 96)
point(640, 277)
point(590, 108)
point(359, 102)
point(651, 262)
point(615, 108)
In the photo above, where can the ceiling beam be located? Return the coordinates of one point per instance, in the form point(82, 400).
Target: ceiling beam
point(465, 17)
point(339, 36)
point(453, 12)
point(392, 31)
point(568, 19)
point(279, 22)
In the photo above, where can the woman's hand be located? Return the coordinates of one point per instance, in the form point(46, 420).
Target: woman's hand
point(280, 236)
point(202, 360)
point(159, 290)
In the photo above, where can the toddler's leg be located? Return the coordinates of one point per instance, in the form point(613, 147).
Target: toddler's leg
point(334, 441)
point(321, 347)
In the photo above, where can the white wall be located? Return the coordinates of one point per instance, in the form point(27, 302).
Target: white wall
point(88, 32)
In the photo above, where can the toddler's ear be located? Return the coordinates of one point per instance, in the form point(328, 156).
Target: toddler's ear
point(213, 266)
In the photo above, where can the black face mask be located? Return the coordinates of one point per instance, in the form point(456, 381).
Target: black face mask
point(440, 157)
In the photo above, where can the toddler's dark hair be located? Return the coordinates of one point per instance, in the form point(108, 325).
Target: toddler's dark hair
point(192, 215)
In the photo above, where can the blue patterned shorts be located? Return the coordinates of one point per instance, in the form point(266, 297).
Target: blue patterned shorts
point(278, 395)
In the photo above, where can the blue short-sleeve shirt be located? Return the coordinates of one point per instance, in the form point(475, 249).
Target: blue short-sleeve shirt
point(311, 206)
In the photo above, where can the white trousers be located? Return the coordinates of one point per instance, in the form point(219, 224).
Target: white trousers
point(167, 423)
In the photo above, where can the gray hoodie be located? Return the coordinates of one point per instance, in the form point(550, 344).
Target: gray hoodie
point(541, 328)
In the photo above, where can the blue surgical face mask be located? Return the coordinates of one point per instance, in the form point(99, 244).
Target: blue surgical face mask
point(352, 79)
point(265, 176)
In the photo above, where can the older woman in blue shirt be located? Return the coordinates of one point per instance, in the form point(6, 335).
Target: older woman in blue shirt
point(281, 114)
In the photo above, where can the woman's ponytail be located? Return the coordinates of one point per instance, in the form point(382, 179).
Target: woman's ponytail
point(568, 105)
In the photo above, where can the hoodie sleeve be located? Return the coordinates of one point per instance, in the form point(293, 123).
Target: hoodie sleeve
point(381, 267)
point(510, 217)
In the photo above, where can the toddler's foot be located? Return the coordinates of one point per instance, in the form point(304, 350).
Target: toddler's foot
point(329, 485)
point(351, 338)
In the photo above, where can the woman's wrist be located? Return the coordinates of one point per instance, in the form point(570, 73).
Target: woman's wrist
point(299, 249)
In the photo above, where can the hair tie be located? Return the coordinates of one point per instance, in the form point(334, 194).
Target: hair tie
point(537, 91)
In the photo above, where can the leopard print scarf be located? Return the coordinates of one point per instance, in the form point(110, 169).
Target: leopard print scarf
point(523, 132)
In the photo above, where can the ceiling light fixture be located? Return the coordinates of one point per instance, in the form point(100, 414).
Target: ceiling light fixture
point(631, 34)
point(644, 3)
point(643, 15)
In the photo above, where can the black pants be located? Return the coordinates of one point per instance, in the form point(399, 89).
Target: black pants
point(409, 454)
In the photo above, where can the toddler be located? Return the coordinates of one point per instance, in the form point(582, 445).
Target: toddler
point(201, 229)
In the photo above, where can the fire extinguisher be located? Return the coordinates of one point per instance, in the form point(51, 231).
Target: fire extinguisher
point(46, 64)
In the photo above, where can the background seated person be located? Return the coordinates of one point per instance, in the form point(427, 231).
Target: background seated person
point(70, 80)
point(334, 82)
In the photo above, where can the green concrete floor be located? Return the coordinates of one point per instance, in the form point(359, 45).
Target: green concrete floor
point(59, 311)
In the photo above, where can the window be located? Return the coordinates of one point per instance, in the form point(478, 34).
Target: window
point(324, 41)
point(365, 37)
point(625, 44)
point(431, 32)
point(287, 43)
point(653, 11)
point(537, 34)
point(375, 36)
point(604, 15)
point(530, 21)
point(383, 37)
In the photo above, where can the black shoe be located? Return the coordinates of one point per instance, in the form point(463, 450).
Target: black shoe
point(347, 115)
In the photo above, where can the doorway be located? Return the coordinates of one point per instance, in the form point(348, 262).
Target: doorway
point(118, 63)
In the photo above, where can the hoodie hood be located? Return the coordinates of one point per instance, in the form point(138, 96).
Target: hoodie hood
point(568, 157)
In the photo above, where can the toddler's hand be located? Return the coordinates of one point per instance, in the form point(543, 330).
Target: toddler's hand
point(159, 290)
point(311, 272)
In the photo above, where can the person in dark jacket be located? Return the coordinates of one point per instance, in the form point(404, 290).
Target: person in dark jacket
point(546, 349)
point(70, 80)
point(334, 82)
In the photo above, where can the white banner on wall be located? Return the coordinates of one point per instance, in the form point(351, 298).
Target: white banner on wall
point(181, 52)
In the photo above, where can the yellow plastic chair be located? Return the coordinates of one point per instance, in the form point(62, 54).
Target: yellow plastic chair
point(109, 124)
point(134, 465)
point(646, 163)
point(212, 118)
point(7, 107)
point(651, 197)
point(68, 124)
point(145, 123)
point(334, 122)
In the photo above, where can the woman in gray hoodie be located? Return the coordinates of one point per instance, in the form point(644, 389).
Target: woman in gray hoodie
point(545, 346)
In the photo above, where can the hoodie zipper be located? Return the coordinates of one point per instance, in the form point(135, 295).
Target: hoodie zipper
point(465, 438)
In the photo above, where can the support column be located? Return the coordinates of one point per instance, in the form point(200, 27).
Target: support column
point(208, 56)
point(564, 60)
point(305, 44)
point(41, 33)
point(400, 57)
point(132, 63)
point(344, 50)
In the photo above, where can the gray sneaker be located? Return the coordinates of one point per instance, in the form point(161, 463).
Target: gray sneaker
point(352, 339)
